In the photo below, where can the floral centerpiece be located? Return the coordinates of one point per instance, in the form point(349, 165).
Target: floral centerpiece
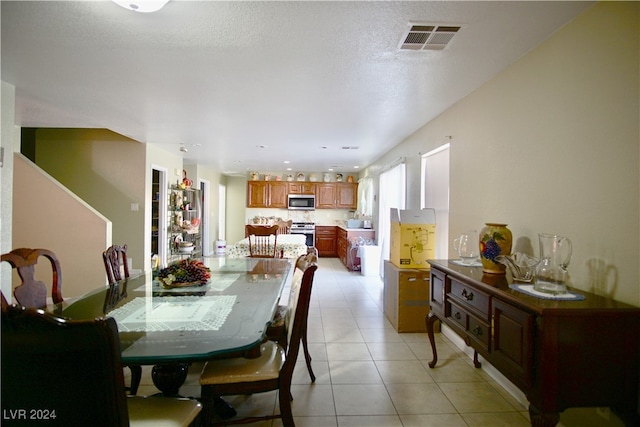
point(184, 273)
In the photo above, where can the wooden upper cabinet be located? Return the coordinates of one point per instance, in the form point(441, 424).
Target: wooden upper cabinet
point(267, 194)
point(347, 195)
point(326, 196)
point(329, 195)
point(257, 194)
point(302, 187)
point(278, 191)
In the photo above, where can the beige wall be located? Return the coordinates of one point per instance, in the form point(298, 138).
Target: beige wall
point(8, 133)
point(106, 170)
point(552, 145)
point(236, 205)
point(74, 231)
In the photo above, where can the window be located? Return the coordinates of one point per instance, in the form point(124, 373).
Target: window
point(392, 195)
point(435, 194)
point(365, 197)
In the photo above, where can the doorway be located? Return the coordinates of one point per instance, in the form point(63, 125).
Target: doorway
point(207, 247)
point(159, 214)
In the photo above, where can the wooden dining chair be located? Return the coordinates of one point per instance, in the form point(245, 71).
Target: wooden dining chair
point(70, 373)
point(115, 263)
point(32, 292)
point(277, 331)
point(263, 241)
point(272, 370)
point(284, 227)
point(117, 268)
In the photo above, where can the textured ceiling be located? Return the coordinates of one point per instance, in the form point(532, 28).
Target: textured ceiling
point(303, 79)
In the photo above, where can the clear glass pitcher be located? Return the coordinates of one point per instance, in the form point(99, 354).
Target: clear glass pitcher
point(551, 271)
point(467, 247)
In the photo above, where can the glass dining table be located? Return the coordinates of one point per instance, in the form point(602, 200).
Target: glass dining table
point(171, 327)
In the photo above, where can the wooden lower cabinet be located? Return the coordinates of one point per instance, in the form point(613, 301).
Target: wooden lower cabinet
point(341, 243)
point(326, 242)
point(347, 253)
point(561, 354)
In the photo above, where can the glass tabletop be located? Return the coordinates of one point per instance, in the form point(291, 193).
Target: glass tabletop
point(158, 325)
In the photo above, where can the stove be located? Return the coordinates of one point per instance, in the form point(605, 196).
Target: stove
point(303, 226)
point(306, 228)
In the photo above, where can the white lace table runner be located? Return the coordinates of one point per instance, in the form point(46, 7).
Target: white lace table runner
point(179, 313)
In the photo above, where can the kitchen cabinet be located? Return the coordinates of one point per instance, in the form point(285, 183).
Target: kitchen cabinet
point(267, 194)
point(337, 195)
point(329, 195)
point(346, 195)
point(257, 194)
point(406, 297)
point(341, 244)
point(326, 196)
point(278, 191)
point(302, 187)
point(326, 242)
point(347, 252)
point(560, 353)
point(184, 223)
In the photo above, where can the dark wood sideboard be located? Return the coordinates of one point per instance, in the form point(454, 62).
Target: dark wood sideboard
point(561, 354)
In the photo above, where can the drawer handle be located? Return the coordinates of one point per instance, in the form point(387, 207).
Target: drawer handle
point(478, 331)
point(467, 295)
point(411, 279)
point(457, 315)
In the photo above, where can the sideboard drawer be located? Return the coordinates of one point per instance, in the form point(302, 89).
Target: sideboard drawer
point(470, 326)
point(471, 298)
point(459, 316)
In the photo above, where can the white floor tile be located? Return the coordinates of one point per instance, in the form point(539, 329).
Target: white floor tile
point(369, 375)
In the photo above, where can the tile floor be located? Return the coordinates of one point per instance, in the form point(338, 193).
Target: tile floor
point(369, 375)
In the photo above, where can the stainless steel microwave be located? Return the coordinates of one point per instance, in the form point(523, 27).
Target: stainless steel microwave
point(301, 202)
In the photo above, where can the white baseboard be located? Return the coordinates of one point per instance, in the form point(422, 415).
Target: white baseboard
point(486, 366)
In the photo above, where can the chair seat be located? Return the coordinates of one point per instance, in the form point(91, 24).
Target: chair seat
point(161, 412)
point(240, 369)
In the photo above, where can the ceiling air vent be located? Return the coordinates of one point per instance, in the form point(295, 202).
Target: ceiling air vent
point(428, 36)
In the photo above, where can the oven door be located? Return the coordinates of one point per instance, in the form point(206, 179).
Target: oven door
point(310, 235)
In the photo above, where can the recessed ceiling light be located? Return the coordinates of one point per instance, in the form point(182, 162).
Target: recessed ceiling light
point(286, 162)
point(288, 169)
point(330, 169)
point(356, 167)
point(145, 6)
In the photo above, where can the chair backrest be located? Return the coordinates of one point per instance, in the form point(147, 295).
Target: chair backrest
point(284, 227)
point(115, 258)
point(262, 240)
point(70, 367)
point(32, 292)
point(298, 308)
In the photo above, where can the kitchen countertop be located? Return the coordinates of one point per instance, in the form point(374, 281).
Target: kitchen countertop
point(342, 225)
